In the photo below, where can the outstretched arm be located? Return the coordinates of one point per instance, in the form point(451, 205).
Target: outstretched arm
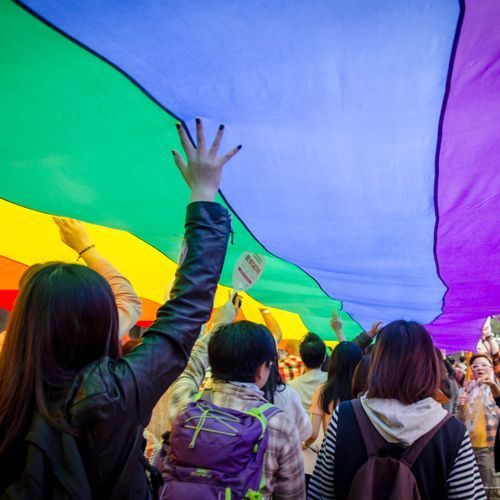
point(272, 324)
point(146, 373)
point(364, 339)
point(337, 326)
point(75, 236)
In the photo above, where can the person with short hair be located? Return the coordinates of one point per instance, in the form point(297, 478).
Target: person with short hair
point(312, 352)
point(403, 377)
point(241, 356)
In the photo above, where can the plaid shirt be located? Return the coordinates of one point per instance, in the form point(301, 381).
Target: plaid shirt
point(480, 415)
point(284, 468)
point(290, 367)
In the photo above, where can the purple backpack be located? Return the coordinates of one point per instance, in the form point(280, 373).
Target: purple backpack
point(216, 453)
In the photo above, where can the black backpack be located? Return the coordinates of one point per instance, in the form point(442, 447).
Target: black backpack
point(53, 466)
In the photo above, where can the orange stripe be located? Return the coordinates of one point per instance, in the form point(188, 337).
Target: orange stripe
point(10, 272)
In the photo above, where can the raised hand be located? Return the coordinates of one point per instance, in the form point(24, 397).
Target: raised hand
point(73, 234)
point(490, 380)
point(203, 170)
point(375, 329)
point(335, 322)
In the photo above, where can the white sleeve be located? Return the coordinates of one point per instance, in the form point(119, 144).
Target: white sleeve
point(301, 417)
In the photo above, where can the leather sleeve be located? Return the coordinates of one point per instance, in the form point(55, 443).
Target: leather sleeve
point(363, 340)
point(143, 375)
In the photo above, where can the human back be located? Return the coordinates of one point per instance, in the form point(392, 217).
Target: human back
point(40, 360)
point(241, 356)
point(403, 378)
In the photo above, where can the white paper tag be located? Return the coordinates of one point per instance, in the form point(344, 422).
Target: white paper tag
point(247, 270)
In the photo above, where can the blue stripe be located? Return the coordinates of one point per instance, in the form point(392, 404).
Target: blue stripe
point(337, 104)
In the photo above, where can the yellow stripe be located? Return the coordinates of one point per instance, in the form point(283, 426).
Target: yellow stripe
point(29, 236)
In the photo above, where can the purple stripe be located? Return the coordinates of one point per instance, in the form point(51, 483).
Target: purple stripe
point(468, 183)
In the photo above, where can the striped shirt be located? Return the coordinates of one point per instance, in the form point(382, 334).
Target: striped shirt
point(464, 481)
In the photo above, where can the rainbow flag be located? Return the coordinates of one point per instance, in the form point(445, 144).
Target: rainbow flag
point(369, 171)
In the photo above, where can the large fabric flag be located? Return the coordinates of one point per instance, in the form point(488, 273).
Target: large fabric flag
point(369, 171)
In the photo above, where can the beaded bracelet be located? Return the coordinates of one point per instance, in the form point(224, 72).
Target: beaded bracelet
point(84, 250)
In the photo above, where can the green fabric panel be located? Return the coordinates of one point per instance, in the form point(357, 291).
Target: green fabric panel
point(78, 139)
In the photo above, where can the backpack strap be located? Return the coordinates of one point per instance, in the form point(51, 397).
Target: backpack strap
point(265, 411)
point(374, 441)
point(372, 438)
point(263, 414)
point(413, 451)
point(206, 395)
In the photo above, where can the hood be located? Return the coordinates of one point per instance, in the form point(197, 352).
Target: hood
point(400, 423)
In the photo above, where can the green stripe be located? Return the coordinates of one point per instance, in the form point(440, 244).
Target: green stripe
point(77, 138)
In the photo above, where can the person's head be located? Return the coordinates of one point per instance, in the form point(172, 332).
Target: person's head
point(404, 363)
point(462, 359)
point(28, 272)
point(481, 365)
point(450, 369)
point(360, 376)
point(444, 379)
point(338, 387)
point(64, 318)
point(312, 351)
point(242, 352)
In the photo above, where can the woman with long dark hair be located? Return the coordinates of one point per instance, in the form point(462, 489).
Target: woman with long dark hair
point(338, 387)
point(287, 398)
point(72, 412)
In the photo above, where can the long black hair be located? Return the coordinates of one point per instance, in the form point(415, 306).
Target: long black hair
point(343, 361)
point(64, 318)
point(274, 383)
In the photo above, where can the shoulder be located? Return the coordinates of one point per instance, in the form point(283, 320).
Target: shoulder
point(291, 394)
point(282, 424)
point(317, 392)
point(295, 402)
point(94, 386)
point(452, 432)
point(454, 427)
point(344, 408)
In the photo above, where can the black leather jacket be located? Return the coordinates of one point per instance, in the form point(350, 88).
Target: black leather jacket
point(111, 402)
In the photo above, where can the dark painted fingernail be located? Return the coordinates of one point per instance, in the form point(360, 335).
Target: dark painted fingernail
point(178, 125)
point(239, 147)
point(221, 127)
point(198, 121)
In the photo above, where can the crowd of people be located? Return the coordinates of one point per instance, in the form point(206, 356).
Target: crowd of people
point(235, 411)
